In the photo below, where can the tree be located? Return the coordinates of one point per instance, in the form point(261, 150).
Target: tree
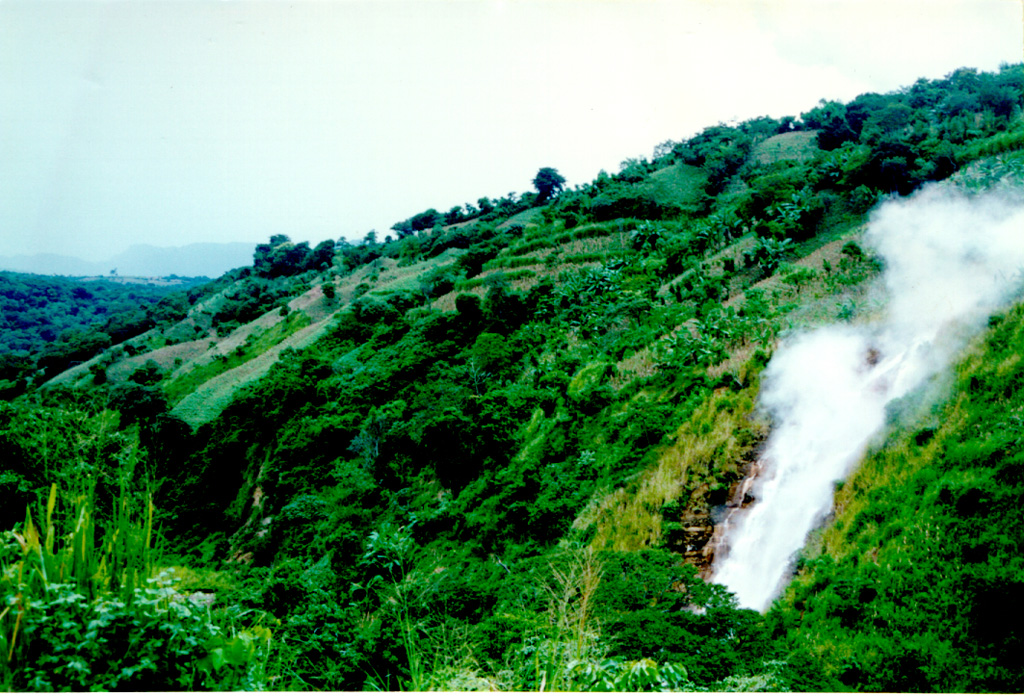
point(323, 254)
point(453, 216)
point(786, 124)
point(998, 99)
point(829, 119)
point(425, 220)
point(632, 170)
point(421, 221)
point(403, 228)
point(887, 121)
point(861, 109)
point(548, 183)
point(297, 258)
point(664, 150)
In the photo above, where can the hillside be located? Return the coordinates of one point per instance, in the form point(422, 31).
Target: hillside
point(48, 324)
point(514, 447)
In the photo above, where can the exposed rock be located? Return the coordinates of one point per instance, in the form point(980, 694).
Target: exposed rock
point(695, 533)
point(257, 524)
point(698, 533)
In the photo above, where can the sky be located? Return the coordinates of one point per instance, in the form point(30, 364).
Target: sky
point(179, 121)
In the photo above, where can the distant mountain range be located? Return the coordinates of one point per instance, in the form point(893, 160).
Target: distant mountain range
point(192, 260)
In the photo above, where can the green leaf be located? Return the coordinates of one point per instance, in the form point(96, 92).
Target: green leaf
point(216, 657)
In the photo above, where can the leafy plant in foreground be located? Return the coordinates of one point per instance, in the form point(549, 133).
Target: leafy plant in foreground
point(82, 609)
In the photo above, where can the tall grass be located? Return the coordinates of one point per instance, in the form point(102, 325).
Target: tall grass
point(678, 184)
point(70, 541)
point(1006, 141)
point(570, 612)
point(100, 551)
point(548, 240)
point(922, 555)
point(713, 441)
point(466, 285)
point(511, 262)
point(84, 606)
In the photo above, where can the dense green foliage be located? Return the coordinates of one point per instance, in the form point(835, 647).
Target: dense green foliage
point(484, 467)
point(84, 608)
point(48, 323)
point(281, 257)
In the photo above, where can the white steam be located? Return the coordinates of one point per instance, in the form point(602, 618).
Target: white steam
point(950, 261)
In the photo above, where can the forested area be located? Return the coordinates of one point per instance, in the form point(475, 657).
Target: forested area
point(48, 322)
point(496, 461)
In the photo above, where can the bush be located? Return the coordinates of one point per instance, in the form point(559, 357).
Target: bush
point(109, 624)
point(153, 642)
point(627, 202)
point(439, 281)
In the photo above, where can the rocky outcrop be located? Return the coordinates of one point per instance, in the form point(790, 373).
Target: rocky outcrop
point(697, 532)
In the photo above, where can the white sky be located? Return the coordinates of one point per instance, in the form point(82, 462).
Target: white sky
point(183, 121)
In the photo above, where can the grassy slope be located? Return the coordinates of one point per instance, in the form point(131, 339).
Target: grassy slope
point(201, 393)
point(680, 184)
point(213, 369)
point(715, 443)
point(206, 398)
point(712, 447)
point(800, 145)
point(203, 375)
point(928, 526)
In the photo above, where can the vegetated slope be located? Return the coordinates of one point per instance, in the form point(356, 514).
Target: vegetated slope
point(928, 527)
point(489, 469)
point(47, 323)
point(800, 146)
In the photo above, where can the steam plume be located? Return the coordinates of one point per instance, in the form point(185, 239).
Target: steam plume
point(951, 259)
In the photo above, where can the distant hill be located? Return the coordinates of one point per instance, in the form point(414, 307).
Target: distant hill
point(192, 260)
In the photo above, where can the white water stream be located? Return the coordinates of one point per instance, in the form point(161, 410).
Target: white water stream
point(951, 260)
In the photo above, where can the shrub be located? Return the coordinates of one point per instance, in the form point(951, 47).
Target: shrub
point(627, 202)
point(439, 281)
point(155, 641)
point(84, 611)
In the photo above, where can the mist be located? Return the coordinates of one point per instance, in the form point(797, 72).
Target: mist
point(951, 259)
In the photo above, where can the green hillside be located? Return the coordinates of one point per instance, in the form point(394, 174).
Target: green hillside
point(493, 450)
point(799, 145)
